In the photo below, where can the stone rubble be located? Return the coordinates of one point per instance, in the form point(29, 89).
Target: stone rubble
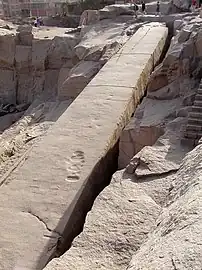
point(150, 216)
point(171, 82)
point(29, 57)
point(151, 211)
point(40, 66)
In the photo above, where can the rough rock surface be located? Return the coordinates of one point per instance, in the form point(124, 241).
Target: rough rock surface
point(95, 41)
point(152, 209)
point(182, 58)
point(164, 156)
point(89, 17)
point(176, 241)
point(183, 5)
point(78, 78)
point(29, 58)
point(170, 91)
point(74, 147)
point(112, 233)
point(146, 127)
point(121, 217)
point(33, 124)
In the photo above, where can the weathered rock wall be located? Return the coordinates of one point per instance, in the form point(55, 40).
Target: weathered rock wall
point(170, 91)
point(176, 241)
point(26, 64)
point(116, 96)
point(56, 183)
point(35, 62)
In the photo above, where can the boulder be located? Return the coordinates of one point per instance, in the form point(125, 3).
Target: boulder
point(90, 53)
point(113, 11)
point(158, 79)
point(178, 88)
point(146, 126)
point(89, 17)
point(151, 161)
point(77, 79)
point(94, 43)
point(61, 50)
point(176, 241)
point(184, 112)
point(180, 60)
point(184, 36)
point(164, 156)
point(182, 5)
point(115, 228)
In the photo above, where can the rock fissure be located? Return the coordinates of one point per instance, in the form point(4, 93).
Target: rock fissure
point(174, 264)
point(41, 221)
point(102, 217)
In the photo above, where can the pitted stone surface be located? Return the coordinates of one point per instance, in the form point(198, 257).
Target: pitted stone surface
point(47, 188)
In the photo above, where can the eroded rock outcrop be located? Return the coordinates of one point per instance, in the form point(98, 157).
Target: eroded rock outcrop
point(112, 234)
point(176, 241)
point(32, 63)
point(128, 209)
point(170, 91)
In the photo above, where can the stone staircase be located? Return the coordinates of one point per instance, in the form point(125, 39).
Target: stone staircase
point(193, 131)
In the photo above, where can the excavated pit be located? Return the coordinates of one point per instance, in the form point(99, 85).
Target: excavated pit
point(99, 179)
point(73, 219)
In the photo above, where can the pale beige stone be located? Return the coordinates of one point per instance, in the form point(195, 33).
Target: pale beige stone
point(118, 223)
point(145, 128)
point(51, 83)
point(97, 38)
point(7, 50)
point(46, 198)
point(176, 241)
point(29, 86)
point(23, 58)
point(77, 79)
point(39, 53)
point(60, 51)
point(126, 211)
point(7, 86)
point(89, 17)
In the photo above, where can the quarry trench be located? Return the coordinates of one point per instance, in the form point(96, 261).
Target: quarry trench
point(99, 176)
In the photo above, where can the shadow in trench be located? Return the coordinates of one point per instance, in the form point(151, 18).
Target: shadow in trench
point(74, 218)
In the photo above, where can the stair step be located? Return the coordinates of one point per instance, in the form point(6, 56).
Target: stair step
point(194, 121)
point(197, 128)
point(199, 91)
point(198, 103)
point(197, 115)
point(193, 135)
point(198, 97)
point(196, 109)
